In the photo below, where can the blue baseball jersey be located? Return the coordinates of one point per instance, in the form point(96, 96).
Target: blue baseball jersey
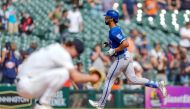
point(116, 37)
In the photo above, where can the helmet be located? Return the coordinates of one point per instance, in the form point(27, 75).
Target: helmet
point(113, 14)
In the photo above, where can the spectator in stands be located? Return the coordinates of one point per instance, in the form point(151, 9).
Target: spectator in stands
point(174, 64)
point(95, 7)
point(150, 7)
point(10, 46)
point(172, 48)
point(26, 24)
point(161, 68)
point(134, 34)
point(184, 62)
point(33, 47)
point(162, 4)
point(107, 4)
point(3, 20)
point(141, 41)
point(185, 68)
point(75, 2)
point(173, 4)
point(9, 2)
point(148, 68)
point(185, 4)
point(12, 20)
point(23, 55)
point(76, 21)
point(185, 31)
point(156, 53)
point(64, 23)
point(158, 61)
point(185, 36)
point(79, 66)
point(129, 9)
point(116, 86)
point(184, 44)
point(55, 15)
point(99, 59)
point(169, 57)
point(10, 63)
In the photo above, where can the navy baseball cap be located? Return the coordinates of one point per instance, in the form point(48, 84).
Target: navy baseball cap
point(79, 45)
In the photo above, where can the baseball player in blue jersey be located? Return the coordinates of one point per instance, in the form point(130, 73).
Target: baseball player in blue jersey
point(122, 63)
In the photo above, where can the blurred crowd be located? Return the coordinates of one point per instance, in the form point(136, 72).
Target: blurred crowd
point(10, 59)
point(11, 22)
point(71, 20)
point(129, 7)
point(66, 21)
point(171, 64)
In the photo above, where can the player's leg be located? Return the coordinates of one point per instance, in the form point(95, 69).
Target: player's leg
point(133, 79)
point(54, 81)
point(112, 74)
point(43, 86)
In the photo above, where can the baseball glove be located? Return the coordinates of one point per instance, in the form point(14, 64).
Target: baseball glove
point(101, 75)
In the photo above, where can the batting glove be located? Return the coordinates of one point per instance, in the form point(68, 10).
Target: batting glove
point(105, 44)
point(111, 51)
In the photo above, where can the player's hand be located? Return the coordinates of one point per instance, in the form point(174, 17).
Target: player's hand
point(94, 78)
point(111, 51)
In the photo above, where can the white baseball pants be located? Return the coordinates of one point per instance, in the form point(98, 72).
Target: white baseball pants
point(42, 86)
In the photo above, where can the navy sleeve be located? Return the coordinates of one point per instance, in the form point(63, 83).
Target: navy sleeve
point(118, 36)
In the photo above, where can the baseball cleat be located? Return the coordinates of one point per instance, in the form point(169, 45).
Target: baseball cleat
point(161, 86)
point(95, 104)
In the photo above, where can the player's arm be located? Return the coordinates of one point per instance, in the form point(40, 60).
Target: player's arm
point(66, 62)
point(124, 44)
point(119, 38)
point(78, 77)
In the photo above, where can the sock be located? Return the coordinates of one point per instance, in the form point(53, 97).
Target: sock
point(151, 84)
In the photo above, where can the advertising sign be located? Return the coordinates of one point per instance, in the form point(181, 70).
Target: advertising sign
point(178, 96)
point(12, 99)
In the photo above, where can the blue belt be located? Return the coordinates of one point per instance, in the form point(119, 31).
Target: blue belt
point(119, 56)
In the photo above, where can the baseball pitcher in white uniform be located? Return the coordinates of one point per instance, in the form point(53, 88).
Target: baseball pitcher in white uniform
point(45, 71)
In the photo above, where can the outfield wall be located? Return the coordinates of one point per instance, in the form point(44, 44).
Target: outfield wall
point(178, 96)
